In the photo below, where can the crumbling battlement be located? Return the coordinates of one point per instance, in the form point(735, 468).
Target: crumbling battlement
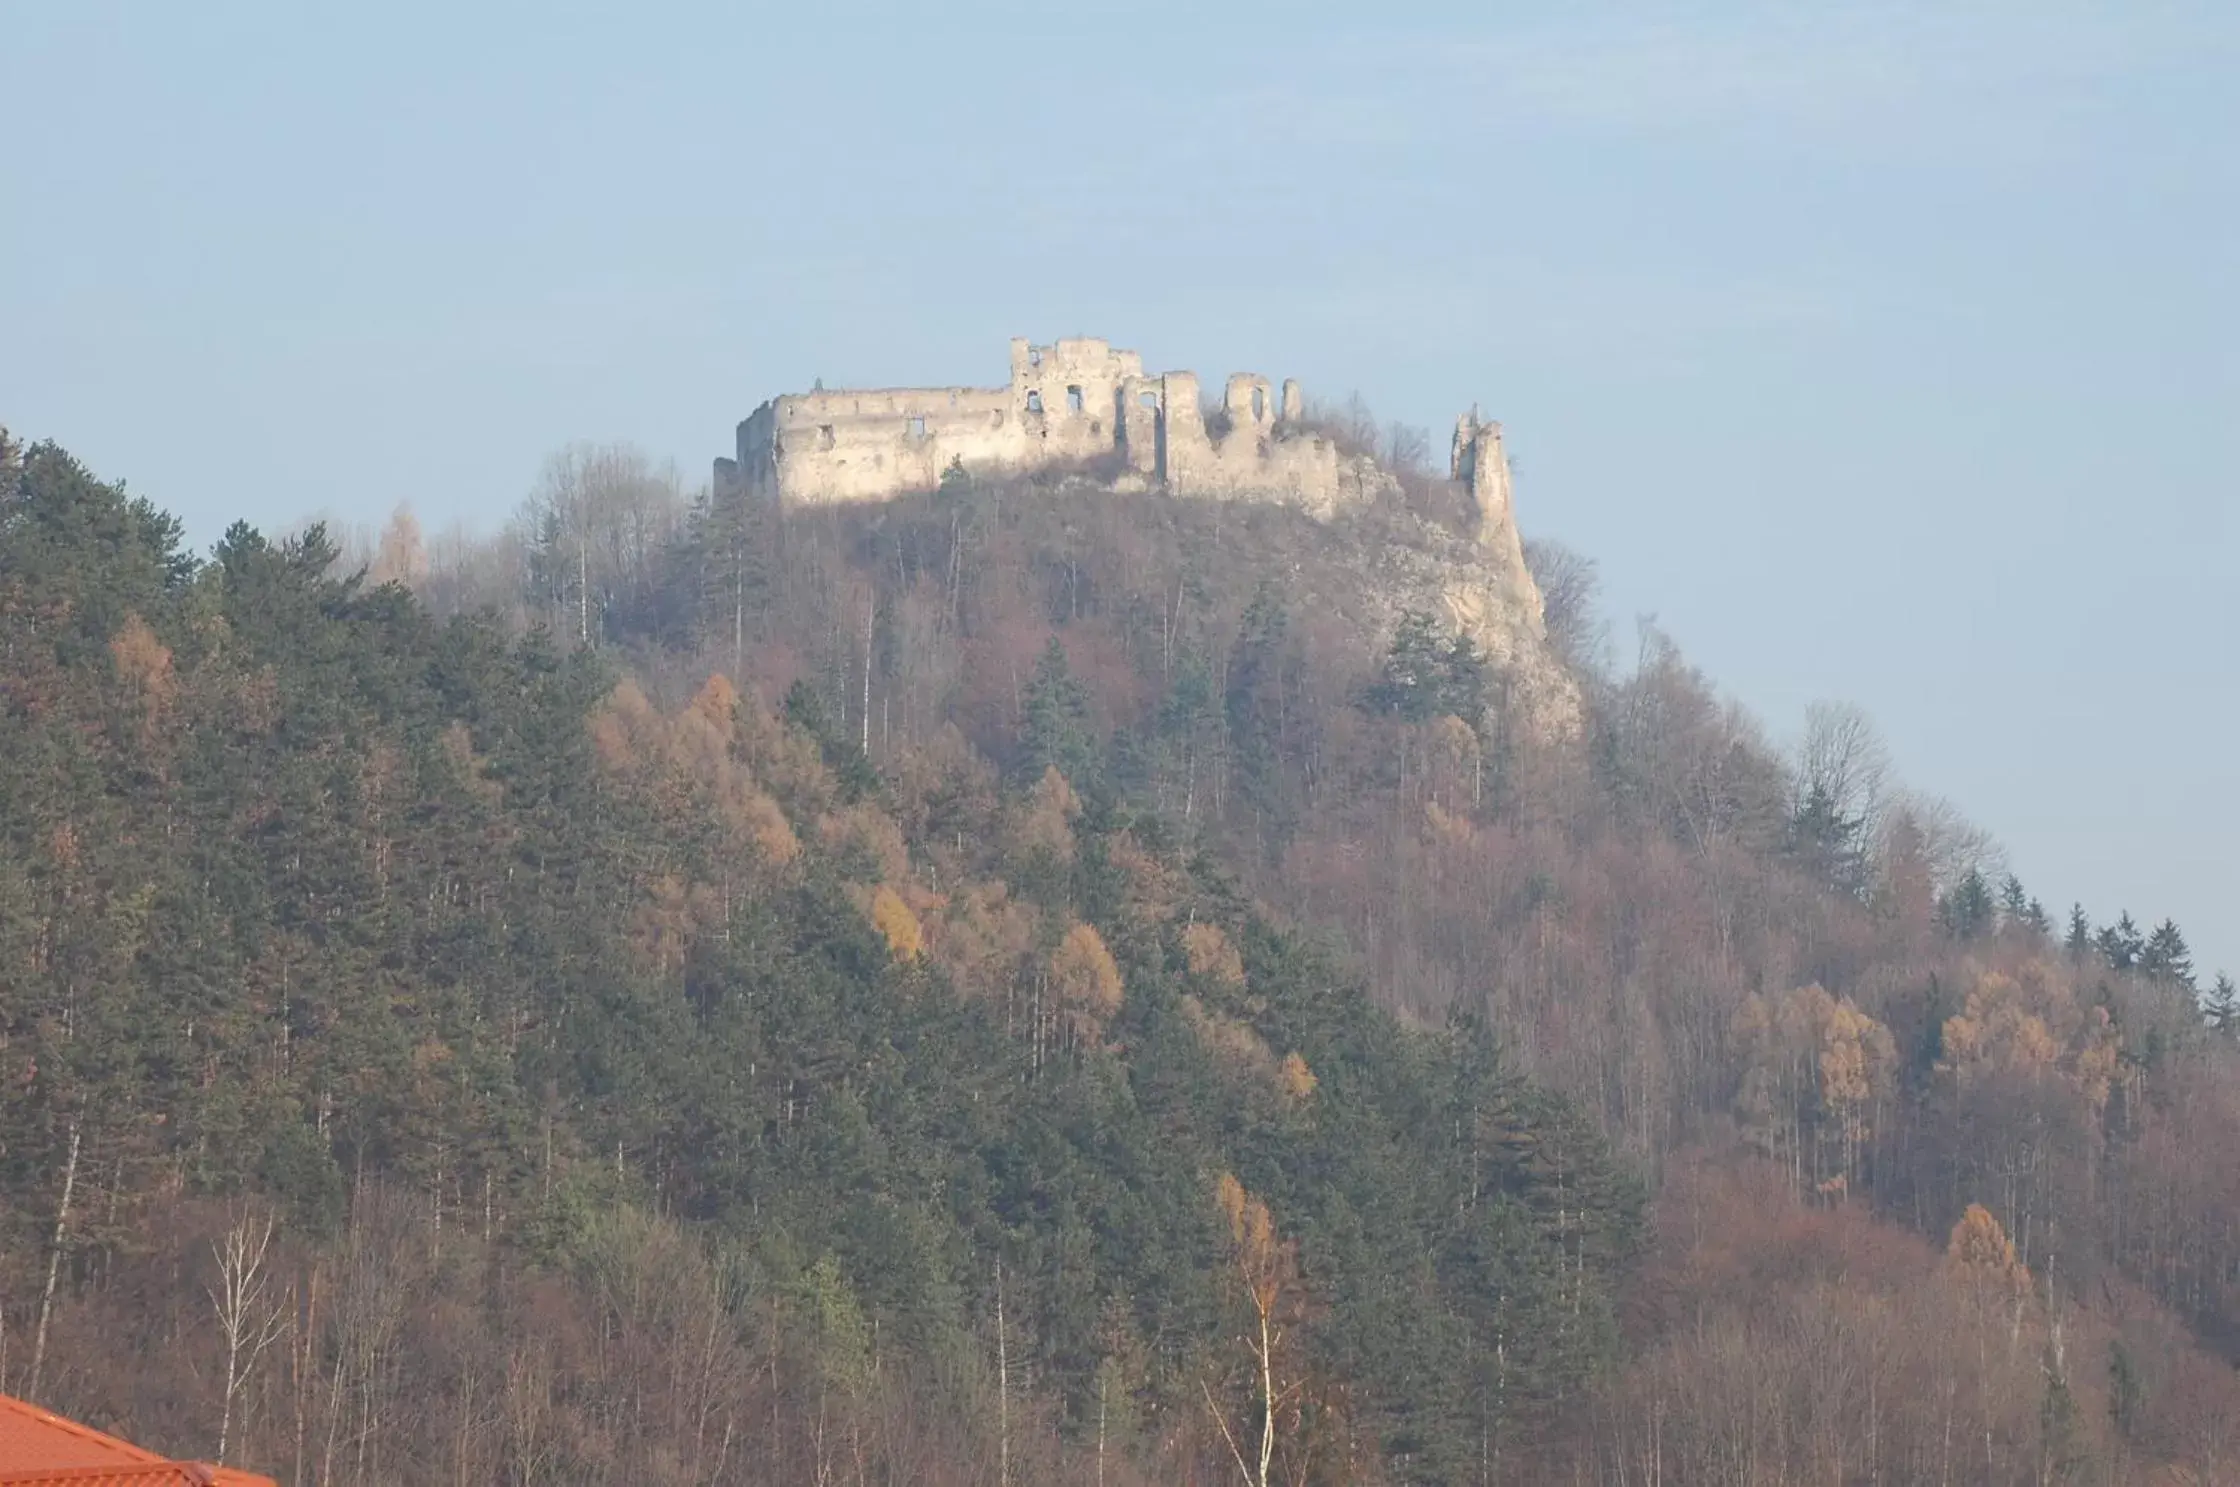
point(1074, 401)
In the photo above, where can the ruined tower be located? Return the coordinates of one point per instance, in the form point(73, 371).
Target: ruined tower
point(1077, 401)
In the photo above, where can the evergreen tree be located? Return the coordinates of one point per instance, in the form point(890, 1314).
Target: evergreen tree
point(2014, 901)
point(2079, 941)
point(843, 754)
point(1256, 707)
point(1967, 912)
point(2120, 943)
point(2166, 956)
point(956, 482)
point(1828, 843)
point(1056, 731)
point(2019, 911)
point(723, 570)
point(1428, 674)
point(2059, 1445)
point(2220, 1006)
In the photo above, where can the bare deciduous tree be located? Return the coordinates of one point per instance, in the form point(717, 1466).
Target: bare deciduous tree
point(250, 1319)
point(1951, 845)
point(401, 553)
point(1570, 589)
point(596, 525)
point(1407, 448)
point(1843, 757)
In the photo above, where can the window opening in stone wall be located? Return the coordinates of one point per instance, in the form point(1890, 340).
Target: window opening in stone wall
point(1149, 400)
point(917, 427)
point(824, 436)
point(1259, 405)
point(1034, 356)
point(1034, 401)
point(1074, 403)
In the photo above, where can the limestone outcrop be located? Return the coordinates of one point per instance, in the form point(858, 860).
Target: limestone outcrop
point(1081, 404)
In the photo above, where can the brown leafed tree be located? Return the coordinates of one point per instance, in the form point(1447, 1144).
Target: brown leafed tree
point(1266, 1270)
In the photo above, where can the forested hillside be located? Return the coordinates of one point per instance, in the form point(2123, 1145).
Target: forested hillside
point(1023, 984)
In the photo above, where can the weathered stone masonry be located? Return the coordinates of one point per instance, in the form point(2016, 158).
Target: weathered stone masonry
point(1079, 401)
point(1069, 402)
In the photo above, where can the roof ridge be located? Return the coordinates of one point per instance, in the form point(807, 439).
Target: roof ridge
point(138, 1455)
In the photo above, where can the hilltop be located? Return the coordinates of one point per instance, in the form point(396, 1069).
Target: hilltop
point(963, 961)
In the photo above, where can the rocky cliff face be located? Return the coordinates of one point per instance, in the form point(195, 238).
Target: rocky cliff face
point(1358, 567)
point(1476, 581)
point(1478, 584)
point(1349, 569)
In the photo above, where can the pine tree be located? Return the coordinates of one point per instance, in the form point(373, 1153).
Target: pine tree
point(2166, 956)
point(1255, 707)
point(2220, 1006)
point(2120, 943)
point(1829, 843)
point(2058, 1443)
point(2079, 942)
point(1057, 734)
point(2018, 910)
point(1408, 687)
point(843, 755)
point(1966, 911)
point(1428, 674)
point(726, 567)
point(955, 481)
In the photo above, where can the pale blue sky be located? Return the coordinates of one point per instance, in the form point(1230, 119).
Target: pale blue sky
point(1884, 352)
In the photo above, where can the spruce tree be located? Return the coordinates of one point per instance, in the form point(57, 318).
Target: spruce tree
point(2126, 1394)
point(2166, 956)
point(1056, 732)
point(1827, 842)
point(2120, 943)
point(2220, 1006)
point(1411, 686)
point(843, 754)
point(1967, 910)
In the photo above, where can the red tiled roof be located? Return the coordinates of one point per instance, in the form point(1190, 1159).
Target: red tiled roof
point(39, 1447)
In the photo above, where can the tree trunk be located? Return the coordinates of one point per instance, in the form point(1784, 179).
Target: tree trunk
point(54, 1262)
point(1003, 1389)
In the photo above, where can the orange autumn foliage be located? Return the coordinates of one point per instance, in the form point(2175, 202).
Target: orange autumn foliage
point(1979, 1251)
point(1045, 824)
point(1208, 953)
point(690, 766)
point(1084, 977)
point(143, 664)
point(981, 937)
point(896, 924)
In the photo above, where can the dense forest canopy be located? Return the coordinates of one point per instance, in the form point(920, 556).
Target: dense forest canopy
point(1009, 985)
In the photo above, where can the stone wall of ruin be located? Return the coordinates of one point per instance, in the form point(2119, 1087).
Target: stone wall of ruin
point(1082, 402)
point(1071, 401)
point(1257, 455)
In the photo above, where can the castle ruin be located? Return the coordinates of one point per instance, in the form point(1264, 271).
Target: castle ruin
point(1079, 402)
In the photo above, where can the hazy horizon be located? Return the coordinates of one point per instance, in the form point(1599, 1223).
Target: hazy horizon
point(1884, 354)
